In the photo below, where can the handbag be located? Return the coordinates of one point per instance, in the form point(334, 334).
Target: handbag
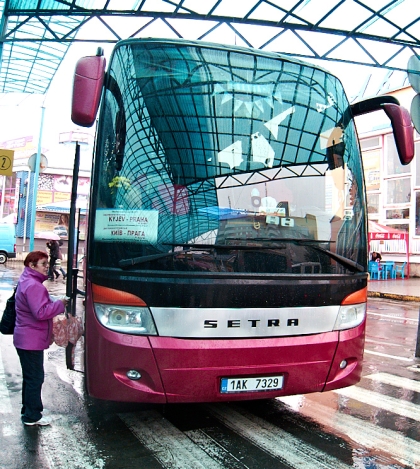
point(8, 320)
point(67, 329)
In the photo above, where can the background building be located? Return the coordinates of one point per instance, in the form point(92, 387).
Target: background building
point(392, 190)
point(53, 192)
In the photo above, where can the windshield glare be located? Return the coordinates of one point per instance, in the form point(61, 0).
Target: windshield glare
point(220, 160)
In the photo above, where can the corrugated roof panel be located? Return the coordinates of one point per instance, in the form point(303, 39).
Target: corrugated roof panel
point(36, 5)
point(34, 62)
point(42, 30)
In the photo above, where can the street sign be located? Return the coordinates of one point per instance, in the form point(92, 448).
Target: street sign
point(6, 162)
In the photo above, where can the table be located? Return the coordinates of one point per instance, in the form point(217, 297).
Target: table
point(387, 269)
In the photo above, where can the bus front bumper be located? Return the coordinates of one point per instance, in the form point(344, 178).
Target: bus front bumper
point(170, 370)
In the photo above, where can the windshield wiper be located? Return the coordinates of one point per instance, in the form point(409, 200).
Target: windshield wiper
point(344, 261)
point(290, 240)
point(210, 247)
point(140, 260)
point(350, 264)
point(124, 263)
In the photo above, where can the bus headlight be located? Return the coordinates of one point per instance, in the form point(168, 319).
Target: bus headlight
point(350, 316)
point(129, 319)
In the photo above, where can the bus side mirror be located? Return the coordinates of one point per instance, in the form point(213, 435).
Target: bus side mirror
point(403, 131)
point(400, 122)
point(87, 89)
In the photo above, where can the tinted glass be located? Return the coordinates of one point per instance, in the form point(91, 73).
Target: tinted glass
point(213, 158)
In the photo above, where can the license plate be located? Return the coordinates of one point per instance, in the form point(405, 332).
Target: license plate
point(265, 383)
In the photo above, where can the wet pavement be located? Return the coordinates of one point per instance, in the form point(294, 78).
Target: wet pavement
point(404, 289)
point(373, 425)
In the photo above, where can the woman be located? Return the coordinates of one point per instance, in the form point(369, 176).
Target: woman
point(375, 256)
point(32, 335)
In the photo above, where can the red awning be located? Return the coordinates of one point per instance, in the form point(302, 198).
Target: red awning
point(384, 233)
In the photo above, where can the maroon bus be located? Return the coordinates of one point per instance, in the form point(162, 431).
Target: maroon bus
point(226, 252)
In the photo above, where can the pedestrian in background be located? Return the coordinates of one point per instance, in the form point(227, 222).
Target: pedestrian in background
point(54, 250)
point(33, 332)
point(375, 256)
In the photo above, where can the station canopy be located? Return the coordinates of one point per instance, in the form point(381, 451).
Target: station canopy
point(36, 34)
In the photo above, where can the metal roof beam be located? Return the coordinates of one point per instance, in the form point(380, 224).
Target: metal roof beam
point(46, 22)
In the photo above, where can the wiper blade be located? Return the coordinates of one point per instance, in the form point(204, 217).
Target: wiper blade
point(211, 247)
point(124, 263)
point(350, 264)
point(344, 261)
point(292, 240)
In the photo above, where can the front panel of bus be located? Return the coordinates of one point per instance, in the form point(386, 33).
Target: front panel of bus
point(227, 230)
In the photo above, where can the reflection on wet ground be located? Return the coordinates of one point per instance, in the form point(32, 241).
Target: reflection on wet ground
point(372, 425)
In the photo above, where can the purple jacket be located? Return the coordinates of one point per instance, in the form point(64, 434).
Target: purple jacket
point(34, 312)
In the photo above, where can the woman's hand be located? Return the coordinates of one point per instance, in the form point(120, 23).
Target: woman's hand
point(64, 300)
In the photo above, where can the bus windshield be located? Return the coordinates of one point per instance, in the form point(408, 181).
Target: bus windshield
point(216, 159)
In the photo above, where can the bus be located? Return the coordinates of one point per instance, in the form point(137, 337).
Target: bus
point(226, 251)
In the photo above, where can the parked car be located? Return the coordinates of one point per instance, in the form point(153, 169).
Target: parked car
point(7, 242)
point(61, 231)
